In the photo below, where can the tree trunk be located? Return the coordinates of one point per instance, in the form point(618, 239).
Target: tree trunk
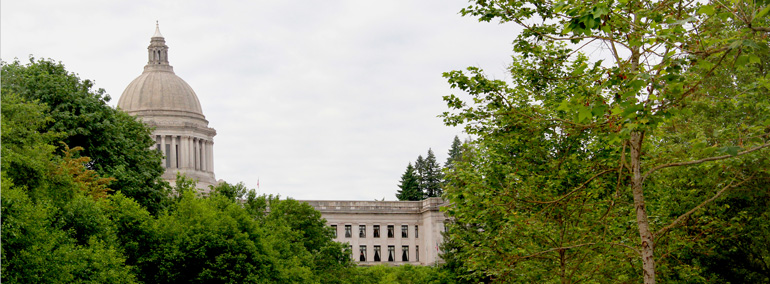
point(648, 260)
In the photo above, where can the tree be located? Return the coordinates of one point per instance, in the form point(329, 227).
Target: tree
point(118, 145)
point(432, 177)
point(422, 172)
point(576, 141)
point(454, 153)
point(410, 186)
point(54, 225)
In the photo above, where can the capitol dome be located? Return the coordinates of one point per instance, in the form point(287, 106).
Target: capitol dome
point(165, 102)
point(158, 90)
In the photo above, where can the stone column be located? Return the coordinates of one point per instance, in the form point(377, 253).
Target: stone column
point(203, 155)
point(195, 153)
point(190, 157)
point(211, 156)
point(182, 152)
point(173, 151)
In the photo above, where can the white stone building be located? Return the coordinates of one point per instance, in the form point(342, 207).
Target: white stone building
point(378, 232)
point(166, 102)
point(393, 232)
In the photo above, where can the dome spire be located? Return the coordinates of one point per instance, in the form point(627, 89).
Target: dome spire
point(157, 30)
point(158, 52)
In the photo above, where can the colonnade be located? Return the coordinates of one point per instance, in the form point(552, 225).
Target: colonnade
point(186, 152)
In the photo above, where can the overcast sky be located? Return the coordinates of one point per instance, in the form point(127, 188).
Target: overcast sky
point(315, 99)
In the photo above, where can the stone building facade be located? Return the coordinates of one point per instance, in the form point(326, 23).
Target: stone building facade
point(393, 232)
point(164, 101)
point(378, 232)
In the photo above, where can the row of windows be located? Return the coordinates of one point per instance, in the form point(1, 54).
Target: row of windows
point(362, 256)
point(376, 231)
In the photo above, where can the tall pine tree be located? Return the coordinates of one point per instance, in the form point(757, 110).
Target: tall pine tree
point(410, 185)
point(432, 178)
point(454, 153)
point(419, 166)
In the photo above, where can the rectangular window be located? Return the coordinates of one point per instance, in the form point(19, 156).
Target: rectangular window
point(417, 253)
point(376, 231)
point(416, 231)
point(352, 255)
point(334, 228)
point(404, 253)
point(404, 231)
point(391, 253)
point(362, 250)
point(377, 253)
point(391, 233)
point(348, 231)
point(362, 231)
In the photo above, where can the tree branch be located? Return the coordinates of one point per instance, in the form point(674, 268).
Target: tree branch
point(684, 216)
point(644, 177)
point(573, 191)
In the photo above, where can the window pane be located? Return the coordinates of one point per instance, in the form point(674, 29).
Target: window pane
point(362, 257)
point(377, 253)
point(416, 231)
point(391, 233)
point(348, 231)
point(404, 231)
point(417, 253)
point(391, 253)
point(334, 228)
point(404, 253)
point(376, 231)
point(362, 231)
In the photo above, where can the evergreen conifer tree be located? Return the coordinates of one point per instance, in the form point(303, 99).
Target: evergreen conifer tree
point(454, 152)
point(419, 166)
point(432, 177)
point(410, 186)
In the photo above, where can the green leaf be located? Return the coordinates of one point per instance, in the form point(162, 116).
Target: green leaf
point(706, 9)
point(763, 12)
point(731, 150)
point(584, 113)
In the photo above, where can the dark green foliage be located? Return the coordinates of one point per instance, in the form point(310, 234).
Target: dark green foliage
point(454, 154)
point(650, 166)
point(60, 226)
point(429, 175)
point(410, 185)
point(431, 178)
point(117, 144)
point(403, 274)
point(37, 250)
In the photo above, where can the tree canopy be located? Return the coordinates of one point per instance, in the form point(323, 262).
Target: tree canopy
point(60, 225)
point(117, 144)
point(615, 168)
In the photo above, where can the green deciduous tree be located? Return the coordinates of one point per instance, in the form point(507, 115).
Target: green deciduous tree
point(410, 185)
point(54, 225)
point(117, 144)
point(591, 169)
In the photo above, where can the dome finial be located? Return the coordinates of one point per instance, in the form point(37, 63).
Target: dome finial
point(157, 30)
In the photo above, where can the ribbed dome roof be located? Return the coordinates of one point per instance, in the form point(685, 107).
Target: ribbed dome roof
point(158, 89)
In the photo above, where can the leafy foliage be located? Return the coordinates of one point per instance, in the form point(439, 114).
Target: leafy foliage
point(59, 225)
point(410, 185)
point(612, 169)
point(116, 143)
